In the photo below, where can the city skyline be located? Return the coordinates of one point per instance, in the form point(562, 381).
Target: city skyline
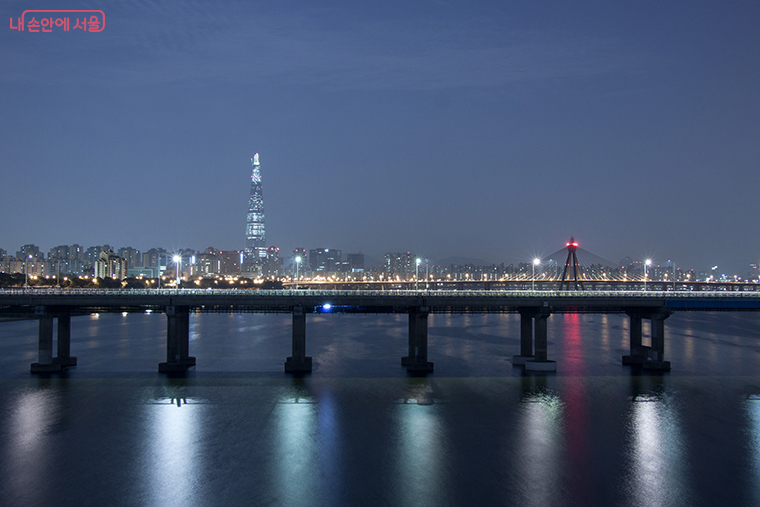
point(491, 131)
point(151, 257)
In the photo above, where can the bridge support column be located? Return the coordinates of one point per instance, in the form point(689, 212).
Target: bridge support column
point(526, 336)
point(541, 362)
point(45, 362)
point(64, 341)
point(657, 352)
point(649, 357)
point(417, 361)
point(638, 352)
point(177, 340)
point(299, 362)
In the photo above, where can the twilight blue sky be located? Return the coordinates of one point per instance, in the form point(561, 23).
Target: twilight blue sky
point(491, 130)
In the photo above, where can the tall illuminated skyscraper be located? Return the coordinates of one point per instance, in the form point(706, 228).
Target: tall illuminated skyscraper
point(255, 245)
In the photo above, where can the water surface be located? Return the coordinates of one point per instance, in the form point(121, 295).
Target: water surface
point(237, 430)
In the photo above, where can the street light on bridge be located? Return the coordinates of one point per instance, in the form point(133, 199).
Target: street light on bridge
point(536, 262)
point(26, 271)
point(177, 261)
point(417, 262)
point(298, 263)
point(647, 262)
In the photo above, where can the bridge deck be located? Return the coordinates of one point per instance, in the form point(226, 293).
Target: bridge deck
point(367, 301)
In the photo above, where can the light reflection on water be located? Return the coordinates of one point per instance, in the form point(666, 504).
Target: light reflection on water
point(330, 448)
point(658, 473)
point(752, 410)
point(541, 441)
point(296, 463)
point(33, 420)
point(173, 453)
point(420, 455)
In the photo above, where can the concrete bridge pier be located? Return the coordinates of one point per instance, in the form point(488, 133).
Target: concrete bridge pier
point(540, 362)
point(526, 336)
point(650, 357)
point(638, 352)
point(417, 361)
point(177, 340)
point(46, 361)
point(64, 357)
point(299, 362)
point(656, 354)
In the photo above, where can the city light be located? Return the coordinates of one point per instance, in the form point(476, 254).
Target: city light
point(401, 271)
point(177, 261)
point(647, 263)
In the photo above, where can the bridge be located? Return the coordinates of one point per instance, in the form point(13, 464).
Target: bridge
point(534, 308)
point(580, 270)
point(525, 282)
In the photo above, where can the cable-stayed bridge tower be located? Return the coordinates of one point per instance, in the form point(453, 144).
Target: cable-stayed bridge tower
point(255, 238)
point(572, 266)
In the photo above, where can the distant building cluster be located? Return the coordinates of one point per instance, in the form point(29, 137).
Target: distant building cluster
point(258, 261)
point(106, 261)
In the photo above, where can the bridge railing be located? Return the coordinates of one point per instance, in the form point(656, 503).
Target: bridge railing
point(253, 293)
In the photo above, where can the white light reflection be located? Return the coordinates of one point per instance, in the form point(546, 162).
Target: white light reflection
point(752, 407)
point(173, 455)
point(657, 474)
point(295, 463)
point(329, 449)
point(421, 455)
point(32, 419)
point(540, 440)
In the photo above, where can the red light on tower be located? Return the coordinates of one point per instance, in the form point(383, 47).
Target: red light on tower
point(572, 267)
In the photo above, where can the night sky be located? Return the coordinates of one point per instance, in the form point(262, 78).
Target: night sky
point(488, 130)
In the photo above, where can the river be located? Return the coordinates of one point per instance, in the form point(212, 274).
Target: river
point(237, 430)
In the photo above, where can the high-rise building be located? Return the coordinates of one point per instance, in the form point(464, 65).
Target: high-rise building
point(58, 258)
point(355, 262)
point(229, 261)
point(28, 251)
point(109, 265)
point(217, 262)
point(156, 258)
point(59, 253)
point(399, 263)
point(255, 244)
point(131, 255)
point(92, 254)
point(324, 259)
point(208, 263)
point(273, 265)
